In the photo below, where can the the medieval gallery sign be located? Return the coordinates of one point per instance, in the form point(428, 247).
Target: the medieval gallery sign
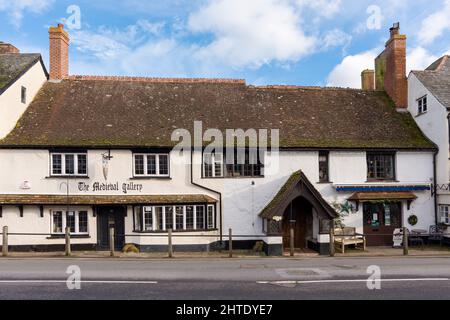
point(119, 187)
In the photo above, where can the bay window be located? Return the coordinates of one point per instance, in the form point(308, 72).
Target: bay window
point(151, 165)
point(68, 164)
point(76, 221)
point(178, 218)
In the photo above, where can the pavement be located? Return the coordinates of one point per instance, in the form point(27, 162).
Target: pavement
point(338, 278)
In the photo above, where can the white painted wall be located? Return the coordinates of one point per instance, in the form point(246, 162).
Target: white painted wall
point(11, 107)
point(434, 124)
point(243, 198)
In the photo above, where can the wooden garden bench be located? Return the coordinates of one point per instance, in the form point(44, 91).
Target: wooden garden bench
point(347, 237)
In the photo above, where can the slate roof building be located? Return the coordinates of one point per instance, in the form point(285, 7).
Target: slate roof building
point(429, 103)
point(90, 153)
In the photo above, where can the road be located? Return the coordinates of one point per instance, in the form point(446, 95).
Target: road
point(240, 279)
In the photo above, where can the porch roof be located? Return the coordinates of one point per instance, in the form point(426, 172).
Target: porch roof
point(45, 199)
point(374, 196)
point(297, 185)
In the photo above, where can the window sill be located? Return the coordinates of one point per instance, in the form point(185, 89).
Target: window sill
point(68, 177)
point(382, 181)
point(174, 231)
point(421, 114)
point(324, 182)
point(151, 178)
point(72, 236)
point(219, 178)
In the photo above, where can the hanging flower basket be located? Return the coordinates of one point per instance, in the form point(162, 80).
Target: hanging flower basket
point(413, 220)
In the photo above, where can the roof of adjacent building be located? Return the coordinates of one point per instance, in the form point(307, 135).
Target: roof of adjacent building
point(14, 65)
point(436, 78)
point(143, 112)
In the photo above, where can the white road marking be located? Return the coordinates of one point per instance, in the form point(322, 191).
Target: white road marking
point(81, 281)
point(352, 280)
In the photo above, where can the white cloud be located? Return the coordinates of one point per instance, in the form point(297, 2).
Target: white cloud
point(251, 33)
point(435, 24)
point(335, 38)
point(419, 59)
point(348, 72)
point(16, 8)
point(325, 8)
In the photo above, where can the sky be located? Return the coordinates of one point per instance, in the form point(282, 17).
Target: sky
point(292, 42)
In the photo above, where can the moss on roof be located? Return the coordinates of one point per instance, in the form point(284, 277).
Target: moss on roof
point(97, 113)
point(13, 65)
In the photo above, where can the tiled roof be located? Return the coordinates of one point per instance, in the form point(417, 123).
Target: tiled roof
point(436, 78)
point(143, 112)
point(42, 199)
point(13, 65)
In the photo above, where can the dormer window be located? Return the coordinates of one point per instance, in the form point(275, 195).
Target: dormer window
point(68, 164)
point(422, 105)
point(23, 95)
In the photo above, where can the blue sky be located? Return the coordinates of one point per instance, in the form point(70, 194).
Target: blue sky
point(301, 42)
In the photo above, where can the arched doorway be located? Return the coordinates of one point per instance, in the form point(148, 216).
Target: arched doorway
point(299, 214)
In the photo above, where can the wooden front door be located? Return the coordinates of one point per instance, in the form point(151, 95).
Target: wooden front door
point(380, 221)
point(302, 215)
point(111, 217)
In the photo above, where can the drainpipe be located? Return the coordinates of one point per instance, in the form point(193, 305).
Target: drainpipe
point(208, 189)
point(435, 187)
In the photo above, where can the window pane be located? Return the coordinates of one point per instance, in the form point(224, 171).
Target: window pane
point(70, 163)
point(82, 164)
point(179, 216)
point(139, 164)
point(169, 218)
point(57, 222)
point(207, 165)
point(138, 218)
point(148, 219)
point(189, 217)
point(56, 164)
point(83, 222)
point(210, 217)
point(151, 164)
point(323, 167)
point(380, 166)
point(70, 221)
point(163, 165)
point(159, 218)
point(200, 217)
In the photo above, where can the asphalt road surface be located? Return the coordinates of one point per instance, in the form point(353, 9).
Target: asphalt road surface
point(237, 279)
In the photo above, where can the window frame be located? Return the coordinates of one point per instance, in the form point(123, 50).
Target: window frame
point(63, 173)
point(139, 213)
point(157, 165)
point(64, 214)
point(325, 154)
point(441, 214)
point(394, 166)
point(422, 105)
point(230, 171)
point(23, 94)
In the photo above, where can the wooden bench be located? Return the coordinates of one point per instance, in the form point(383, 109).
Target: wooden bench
point(347, 237)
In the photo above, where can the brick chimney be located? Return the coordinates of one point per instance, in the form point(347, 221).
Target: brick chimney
point(7, 48)
point(390, 68)
point(368, 80)
point(59, 52)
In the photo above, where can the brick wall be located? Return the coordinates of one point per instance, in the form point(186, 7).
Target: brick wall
point(59, 52)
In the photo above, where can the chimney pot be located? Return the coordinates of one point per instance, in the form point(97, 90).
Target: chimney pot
point(368, 80)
